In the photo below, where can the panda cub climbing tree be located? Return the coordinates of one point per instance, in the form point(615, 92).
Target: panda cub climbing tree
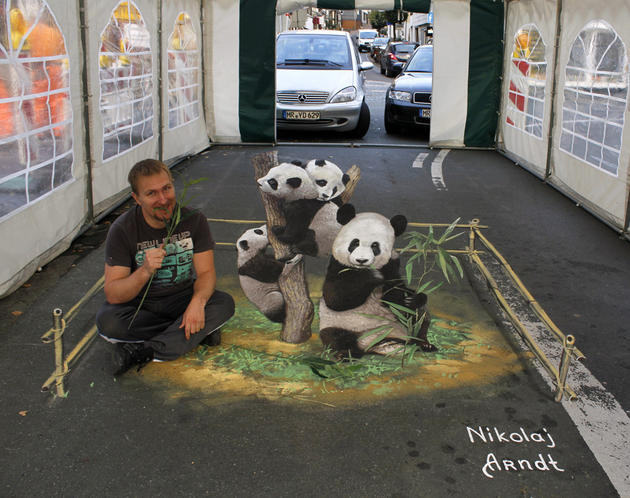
point(309, 196)
point(259, 272)
point(363, 272)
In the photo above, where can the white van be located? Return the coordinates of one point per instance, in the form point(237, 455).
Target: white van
point(365, 39)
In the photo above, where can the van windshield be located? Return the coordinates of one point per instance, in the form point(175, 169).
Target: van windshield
point(313, 52)
point(367, 34)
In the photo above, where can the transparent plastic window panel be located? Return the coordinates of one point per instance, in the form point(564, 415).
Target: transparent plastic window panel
point(528, 74)
point(183, 73)
point(125, 62)
point(35, 113)
point(595, 97)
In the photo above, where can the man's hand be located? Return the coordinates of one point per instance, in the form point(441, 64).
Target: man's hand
point(153, 259)
point(194, 318)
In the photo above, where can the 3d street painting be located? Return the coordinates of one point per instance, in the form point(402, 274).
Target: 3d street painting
point(253, 361)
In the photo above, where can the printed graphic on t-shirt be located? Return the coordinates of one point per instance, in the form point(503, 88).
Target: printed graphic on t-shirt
point(177, 264)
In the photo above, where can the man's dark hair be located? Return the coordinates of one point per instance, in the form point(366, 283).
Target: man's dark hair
point(146, 167)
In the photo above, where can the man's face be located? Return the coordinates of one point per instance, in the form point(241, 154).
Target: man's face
point(156, 197)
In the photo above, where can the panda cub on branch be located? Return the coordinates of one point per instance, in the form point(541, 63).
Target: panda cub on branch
point(258, 273)
point(311, 223)
point(364, 271)
point(330, 180)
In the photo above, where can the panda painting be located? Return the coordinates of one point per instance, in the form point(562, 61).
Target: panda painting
point(328, 177)
point(311, 224)
point(364, 271)
point(258, 273)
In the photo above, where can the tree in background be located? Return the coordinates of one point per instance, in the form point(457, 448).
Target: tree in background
point(379, 19)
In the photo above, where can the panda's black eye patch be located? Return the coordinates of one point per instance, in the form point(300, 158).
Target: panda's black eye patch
point(353, 245)
point(321, 183)
point(244, 245)
point(273, 183)
point(294, 182)
point(376, 248)
point(258, 231)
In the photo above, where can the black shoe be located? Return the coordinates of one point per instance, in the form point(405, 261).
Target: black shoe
point(127, 355)
point(212, 339)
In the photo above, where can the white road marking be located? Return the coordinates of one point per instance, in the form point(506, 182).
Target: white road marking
point(436, 170)
point(598, 416)
point(418, 162)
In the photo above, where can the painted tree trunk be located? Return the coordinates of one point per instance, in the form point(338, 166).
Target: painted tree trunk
point(299, 307)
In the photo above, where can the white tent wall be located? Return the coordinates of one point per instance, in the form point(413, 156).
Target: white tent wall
point(190, 137)
point(450, 75)
point(109, 176)
point(527, 149)
point(603, 193)
point(221, 60)
point(44, 229)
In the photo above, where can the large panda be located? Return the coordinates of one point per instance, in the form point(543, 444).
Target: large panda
point(328, 177)
point(364, 271)
point(258, 273)
point(311, 224)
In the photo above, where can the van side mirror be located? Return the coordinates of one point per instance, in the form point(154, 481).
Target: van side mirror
point(365, 66)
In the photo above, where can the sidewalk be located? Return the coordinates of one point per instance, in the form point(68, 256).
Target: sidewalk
point(198, 427)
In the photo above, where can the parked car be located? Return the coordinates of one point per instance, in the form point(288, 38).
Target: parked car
point(395, 55)
point(408, 99)
point(366, 37)
point(377, 46)
point(320, 83)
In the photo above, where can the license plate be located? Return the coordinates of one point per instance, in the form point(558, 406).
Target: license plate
point(304, 115)
point(425, 113)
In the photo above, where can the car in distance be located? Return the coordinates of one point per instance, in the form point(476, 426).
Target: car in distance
point(408, 99)
point(395, 55)
point(320, 83)
point(365, 39)
point(377, 46)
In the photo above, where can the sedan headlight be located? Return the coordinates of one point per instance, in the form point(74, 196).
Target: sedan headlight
point(398, 95)
point(348, 94)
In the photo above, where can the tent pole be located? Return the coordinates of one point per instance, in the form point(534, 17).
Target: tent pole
point(85, 98)
point(554, 90)
point(159, 85)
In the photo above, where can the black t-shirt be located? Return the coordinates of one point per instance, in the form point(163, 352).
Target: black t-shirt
point(130, 235)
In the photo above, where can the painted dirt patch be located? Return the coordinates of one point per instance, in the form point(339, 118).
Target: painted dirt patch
point(252, 361)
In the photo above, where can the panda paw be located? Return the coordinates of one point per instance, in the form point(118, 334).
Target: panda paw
point(277, 230)
point(427, 347)
point(415, 301)
point(377, 274)
point(294, 260)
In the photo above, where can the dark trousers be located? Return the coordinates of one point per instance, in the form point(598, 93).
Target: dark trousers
point(157, 323)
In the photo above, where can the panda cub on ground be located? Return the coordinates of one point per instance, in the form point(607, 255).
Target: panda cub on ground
point(364, 269)
point(258, 273)
point(311, 223)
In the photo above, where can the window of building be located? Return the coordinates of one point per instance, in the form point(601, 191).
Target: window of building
point(595, 97)
point(35, 113)
point(528, 73)
point(183, 73)
point(126, 76)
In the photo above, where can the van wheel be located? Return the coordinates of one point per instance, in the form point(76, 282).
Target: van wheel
point(364, 122)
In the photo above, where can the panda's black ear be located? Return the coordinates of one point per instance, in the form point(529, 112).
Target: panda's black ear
point(345, 213)
point(294, 182)
point(299, 163)
point(244, 245)
point(345, 179)
point(399, 222)
point(320, 162)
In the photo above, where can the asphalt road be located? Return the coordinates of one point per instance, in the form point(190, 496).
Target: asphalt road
point(138, 436)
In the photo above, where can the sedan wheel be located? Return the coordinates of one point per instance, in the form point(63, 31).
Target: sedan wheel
point(364, 122)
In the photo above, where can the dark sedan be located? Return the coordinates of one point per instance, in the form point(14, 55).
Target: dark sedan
point(408, 99)
point(377, 47)
point(395, 55)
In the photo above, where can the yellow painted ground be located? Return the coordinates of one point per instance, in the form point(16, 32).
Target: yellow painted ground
point(252, 361)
